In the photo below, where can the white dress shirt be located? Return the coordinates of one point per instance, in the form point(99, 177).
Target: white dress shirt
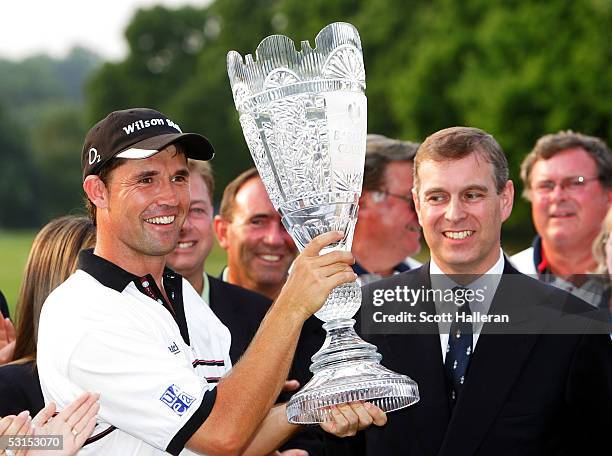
point(487, 282)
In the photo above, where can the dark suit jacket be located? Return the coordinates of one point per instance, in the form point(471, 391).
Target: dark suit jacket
point(242, 311)
point(524, 394)
point(20, 389)
point(239, 309)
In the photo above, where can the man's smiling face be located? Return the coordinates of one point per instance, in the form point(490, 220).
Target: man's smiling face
point(196, 236)
point(570, 216)
point(259, 249)
point(148, 200)
point(461, 212)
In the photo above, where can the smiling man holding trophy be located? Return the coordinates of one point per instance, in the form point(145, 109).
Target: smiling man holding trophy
point(303, 115)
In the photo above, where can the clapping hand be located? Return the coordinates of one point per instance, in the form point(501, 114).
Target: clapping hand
point(7, 340)
point(75, 424)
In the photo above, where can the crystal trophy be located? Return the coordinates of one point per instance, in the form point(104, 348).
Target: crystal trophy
point(303, 115)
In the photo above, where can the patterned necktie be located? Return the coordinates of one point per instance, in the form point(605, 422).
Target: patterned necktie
point(459, 349)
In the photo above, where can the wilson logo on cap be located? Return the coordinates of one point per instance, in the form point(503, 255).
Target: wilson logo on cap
point(137, 133)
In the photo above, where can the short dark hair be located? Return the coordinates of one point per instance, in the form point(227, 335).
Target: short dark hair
point(380, 151)
point(229, 194)
point(103, 173)
point(552, 144)
point(456, 143)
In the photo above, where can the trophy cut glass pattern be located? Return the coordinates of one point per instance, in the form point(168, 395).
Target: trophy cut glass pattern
point(303, 115)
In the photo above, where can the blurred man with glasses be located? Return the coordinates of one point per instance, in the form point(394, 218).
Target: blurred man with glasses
point(387, 231)
point(568, 180)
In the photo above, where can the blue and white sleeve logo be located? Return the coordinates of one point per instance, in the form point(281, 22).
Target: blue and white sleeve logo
point(177, 400)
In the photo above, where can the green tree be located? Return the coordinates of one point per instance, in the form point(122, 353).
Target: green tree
point(518, 69)
point(41, 135)
point(18, 179)
point(57, 142)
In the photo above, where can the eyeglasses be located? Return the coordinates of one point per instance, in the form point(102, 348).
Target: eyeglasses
point(571, 184)
point(408, 199)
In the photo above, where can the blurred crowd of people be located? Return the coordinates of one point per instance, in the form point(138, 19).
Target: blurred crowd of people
point(458, 192)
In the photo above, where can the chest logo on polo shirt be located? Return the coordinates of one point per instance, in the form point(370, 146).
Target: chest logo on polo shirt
point(174, 348)
point(178, 401)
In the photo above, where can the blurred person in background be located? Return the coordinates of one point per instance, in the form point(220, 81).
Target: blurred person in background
point(568, 180)
point(387, 231)
point(239, 309)
point(259, 249)
point(52, 259)
point(602, 251)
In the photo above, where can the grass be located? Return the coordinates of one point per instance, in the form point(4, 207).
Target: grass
point(14, 249)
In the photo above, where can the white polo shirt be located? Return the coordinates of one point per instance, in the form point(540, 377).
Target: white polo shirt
point(154, 366)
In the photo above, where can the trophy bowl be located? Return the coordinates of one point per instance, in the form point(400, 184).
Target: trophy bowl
point(304, 119)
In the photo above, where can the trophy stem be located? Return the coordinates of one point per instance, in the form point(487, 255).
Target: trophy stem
point(342, 344)
point(348, 369)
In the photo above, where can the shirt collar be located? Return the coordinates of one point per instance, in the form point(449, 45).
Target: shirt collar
point(498, 267)
point(206, 289)
point(539, 257)
point(489, 281)
point(109, 274)
point(225, 274)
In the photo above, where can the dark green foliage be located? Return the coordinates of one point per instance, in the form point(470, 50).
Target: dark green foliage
point(18, 179)
point(518, 69)
point(41, 133)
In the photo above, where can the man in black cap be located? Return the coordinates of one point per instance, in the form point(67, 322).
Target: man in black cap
point(126, 327)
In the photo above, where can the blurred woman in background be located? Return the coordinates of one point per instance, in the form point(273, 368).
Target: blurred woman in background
point(602, 251)
point(52, 259)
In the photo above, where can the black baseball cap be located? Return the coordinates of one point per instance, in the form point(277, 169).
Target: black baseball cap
point(137, 133)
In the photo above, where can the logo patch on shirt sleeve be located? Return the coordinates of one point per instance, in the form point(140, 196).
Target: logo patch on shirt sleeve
point(177, 400)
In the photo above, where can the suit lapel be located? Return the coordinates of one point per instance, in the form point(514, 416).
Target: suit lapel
point(419, 356)
point(494, 368)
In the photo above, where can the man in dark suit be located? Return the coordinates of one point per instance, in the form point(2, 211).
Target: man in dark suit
point(539, 383)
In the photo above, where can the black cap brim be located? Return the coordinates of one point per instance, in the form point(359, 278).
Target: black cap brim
point(195, 146)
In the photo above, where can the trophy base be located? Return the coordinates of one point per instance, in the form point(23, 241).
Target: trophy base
point(347, 369)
